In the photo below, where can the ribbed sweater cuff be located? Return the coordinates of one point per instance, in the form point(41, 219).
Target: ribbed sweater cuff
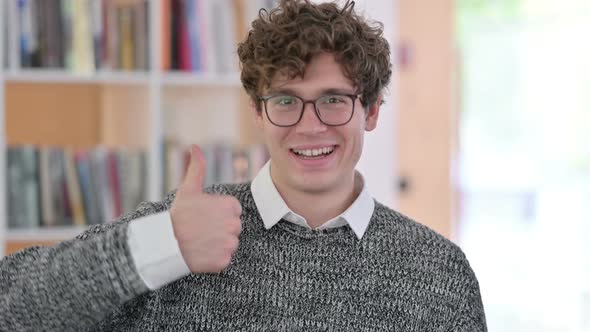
point(125, 278)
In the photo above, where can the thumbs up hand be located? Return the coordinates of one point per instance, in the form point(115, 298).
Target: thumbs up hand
point(207, 227)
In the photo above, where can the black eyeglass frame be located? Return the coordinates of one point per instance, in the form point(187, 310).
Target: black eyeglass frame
point(353, 97)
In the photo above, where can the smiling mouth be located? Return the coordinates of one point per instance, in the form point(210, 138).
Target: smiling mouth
point(314, 153)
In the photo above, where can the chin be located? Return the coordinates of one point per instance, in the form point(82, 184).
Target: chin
point(314, 184)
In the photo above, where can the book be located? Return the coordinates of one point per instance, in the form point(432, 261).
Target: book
point(175, 25)
point(97, 26)
point(73, 187)
point(114, 183)
point(202, 35)
point(100, 181)
point(126, 45)
point(141, 33)
point(48, 214)
point(12, 33)
point(81, 36)
point(49, 186)
point(12, 192)
point(89, 193)
point(184, 43)
point(58, 191)
point(66, 11)
point(23, 190)
point(192, 17)
point(31, 217)
point(52, 39)
point(132, 174)
point(165, 10)
point(25, 24)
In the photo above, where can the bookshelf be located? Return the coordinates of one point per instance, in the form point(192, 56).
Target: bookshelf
point(141, 109)
point(118, 108)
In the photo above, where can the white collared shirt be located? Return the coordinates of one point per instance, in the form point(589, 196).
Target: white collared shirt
point(163, 263)
point(272, 207)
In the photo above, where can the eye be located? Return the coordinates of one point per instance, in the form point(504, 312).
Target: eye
point(334, 99)
point(283, 100)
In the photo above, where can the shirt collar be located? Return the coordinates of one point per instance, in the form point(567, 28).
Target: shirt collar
point(272, 207)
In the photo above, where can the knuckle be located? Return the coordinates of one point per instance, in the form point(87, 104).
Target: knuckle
point(237, 206)
point(235, 244)
point(234, 226)
point(231, 244)
point(222, 202)
point(232, 203)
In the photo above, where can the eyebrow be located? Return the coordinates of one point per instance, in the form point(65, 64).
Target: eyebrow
point(339, 91)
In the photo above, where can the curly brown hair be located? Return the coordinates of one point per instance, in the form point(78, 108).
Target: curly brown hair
point(286, 38)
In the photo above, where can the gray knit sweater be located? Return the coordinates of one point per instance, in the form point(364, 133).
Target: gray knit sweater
point(401, 276)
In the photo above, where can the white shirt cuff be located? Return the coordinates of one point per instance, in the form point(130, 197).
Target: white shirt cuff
point(155, 251)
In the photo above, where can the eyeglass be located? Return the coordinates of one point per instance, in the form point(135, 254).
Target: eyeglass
point(331, 109)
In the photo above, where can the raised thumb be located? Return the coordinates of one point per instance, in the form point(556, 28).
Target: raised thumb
point(195, 172)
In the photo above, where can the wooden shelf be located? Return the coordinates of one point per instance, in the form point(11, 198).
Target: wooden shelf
point(17, 240)
point(121, 77)
point(61, 76)
point(57, 233)
point(199, 79)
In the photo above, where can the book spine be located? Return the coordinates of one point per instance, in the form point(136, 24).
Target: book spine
point(174, 34)
point(13, 33)
point(13, 176)
point(82, 45)
point(114, 183)
point(89, 198)
point(112, 40)
point(126, 42)
point(67, 26)
point(97, 31)
point(25, 30)
point(73, 187)
point(194, 32)
point(30, 187)
point(165, 10)
point(184, 49)
point(139, 35)
point(38, 34)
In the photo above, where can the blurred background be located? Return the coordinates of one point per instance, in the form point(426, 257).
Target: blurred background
point(484, 137)
point(523, 159)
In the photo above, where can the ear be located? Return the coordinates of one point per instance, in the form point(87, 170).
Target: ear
point(372, 115)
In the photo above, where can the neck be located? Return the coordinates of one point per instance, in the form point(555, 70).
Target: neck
point(318, 207)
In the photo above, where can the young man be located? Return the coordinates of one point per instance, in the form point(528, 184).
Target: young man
point(302, 248)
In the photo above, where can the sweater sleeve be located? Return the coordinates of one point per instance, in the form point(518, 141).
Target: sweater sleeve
point(471, 316)
point(160, 264)
point(73, 285)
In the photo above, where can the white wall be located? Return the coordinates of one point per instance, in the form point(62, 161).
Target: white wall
point(378, 161)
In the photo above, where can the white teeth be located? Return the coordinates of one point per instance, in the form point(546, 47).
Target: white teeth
point(314, 152)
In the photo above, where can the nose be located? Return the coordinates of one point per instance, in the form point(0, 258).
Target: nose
point(310, 122)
